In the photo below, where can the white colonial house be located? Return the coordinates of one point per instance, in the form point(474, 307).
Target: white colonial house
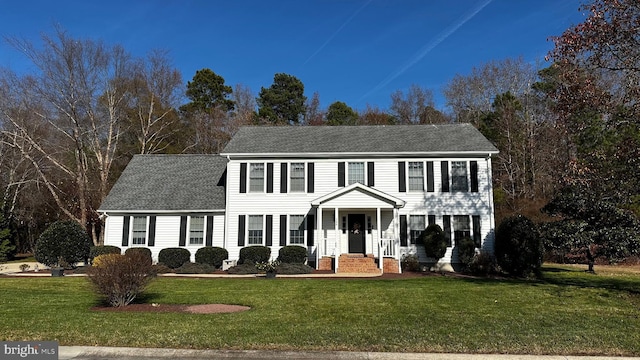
point(352, 195)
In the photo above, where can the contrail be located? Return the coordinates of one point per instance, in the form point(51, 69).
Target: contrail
point(337, 31)
point(427, 48)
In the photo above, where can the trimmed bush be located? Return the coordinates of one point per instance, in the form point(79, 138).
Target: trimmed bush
point(518, 246)
point(174, 257)
point(103, 249)
point(293, 254)
point(195, 268)
point(410, 262)
point(254, 254)
point(243, 269)
point(120, 278)
point(213, 256)
point(63, 243)
point(434, 241)
point(145, 253)
point(466, 251)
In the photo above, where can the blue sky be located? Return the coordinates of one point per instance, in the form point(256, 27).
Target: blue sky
point(356, 51)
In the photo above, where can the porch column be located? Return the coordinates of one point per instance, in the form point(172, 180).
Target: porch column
point(378, 238)
point(337, 235)
point(321, 242)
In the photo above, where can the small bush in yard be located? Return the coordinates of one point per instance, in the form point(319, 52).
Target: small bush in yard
point(145, 253)
point(254, 254)
point(63, 243)
point(293, 254)
point(120, 278)
point(174, 257)
point(293, 268)
point(212, 255)
point(483, 264)
point(466, 251)
point(435, 242)
point(409, 262)
point(243, 269)
point(103, 249)
point(518, 246)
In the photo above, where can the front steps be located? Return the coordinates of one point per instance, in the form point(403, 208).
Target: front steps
point(359, 264)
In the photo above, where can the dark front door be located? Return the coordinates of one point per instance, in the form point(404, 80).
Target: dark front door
point(356, 233)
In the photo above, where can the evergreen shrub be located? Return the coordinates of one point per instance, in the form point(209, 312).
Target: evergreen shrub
point(63, 243)
point(254, 254)
point(293, 254)
point(174, 257)
point(212, 255)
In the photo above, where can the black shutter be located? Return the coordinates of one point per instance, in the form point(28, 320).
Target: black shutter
point(402, 179)
point(209, 239)
point(311, 224)
point(474, 176)
point(269, 177)
point(241, 220)
point(430, 187)
point(444, 169)
point(183, 231)
point(446, 221)
point(431, 219)
point(341, 174)
point(403, 230)
point(283, 230)
point(152, 231)
point(283, 178)
point(269, 230)
point(310, 177)
point(370, 174)
point(243, 178)
point(125, 231)
point(477, 237)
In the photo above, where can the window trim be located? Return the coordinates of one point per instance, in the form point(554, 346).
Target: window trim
point(249, 178)
point(413, 240)
point(409, 177)
point(132, 230)
point(452, 176)
point(305, 167)
point(190, 230)
point(248, 229)
point(454, 229)
point(302, 228)
point(348, 173)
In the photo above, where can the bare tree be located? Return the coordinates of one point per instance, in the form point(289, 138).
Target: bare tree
point(414, 107)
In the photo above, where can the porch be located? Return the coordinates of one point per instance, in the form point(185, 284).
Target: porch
point(358, 231)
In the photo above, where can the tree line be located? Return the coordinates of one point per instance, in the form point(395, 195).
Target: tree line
point(567, 133)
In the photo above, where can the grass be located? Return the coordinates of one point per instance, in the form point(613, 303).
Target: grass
point(567, 311)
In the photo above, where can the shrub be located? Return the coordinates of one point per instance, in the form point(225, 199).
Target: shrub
point(145, 253)
point(103, 249)
point(162, 269)
point(409, 262)
point(195, 268)
point(466, 251)
point(482, 264)
point(254, 254)
point(174, 257)
point(293, 268)
point(243, 269)
point(293, 254)
point(518, 246)
point(120, 278)
point(24, 267)
point(435, 241)
point(213, 256)
point(63, 243)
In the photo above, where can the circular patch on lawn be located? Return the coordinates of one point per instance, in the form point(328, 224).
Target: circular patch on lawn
point(193, 309)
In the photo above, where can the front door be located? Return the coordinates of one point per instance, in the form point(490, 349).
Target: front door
point(356, 234)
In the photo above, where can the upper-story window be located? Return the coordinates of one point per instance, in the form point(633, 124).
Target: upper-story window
point(196, 230)
point(256, 177)
point(139, 230)
point(459, 176)
point(297, 177)
point(416, 176)
point(356, 172)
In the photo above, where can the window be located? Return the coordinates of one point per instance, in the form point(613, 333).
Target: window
point(461, 227)
point(139, 230)
point(296, 232)
point(356, 173)
point(256, 177)
point(416, 176)
point(196, 230)
point(297, 177)
point(255, 230)
point(417, 226)
point(459, 176)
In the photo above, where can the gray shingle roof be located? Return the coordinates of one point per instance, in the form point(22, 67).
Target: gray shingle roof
point(359, 139)
point(169, 183)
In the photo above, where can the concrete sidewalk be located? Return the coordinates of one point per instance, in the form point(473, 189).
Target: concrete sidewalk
point(107, 353)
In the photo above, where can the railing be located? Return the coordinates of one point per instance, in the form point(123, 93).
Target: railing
point(388, 248)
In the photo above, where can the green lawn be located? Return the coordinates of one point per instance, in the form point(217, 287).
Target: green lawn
point(567, 312)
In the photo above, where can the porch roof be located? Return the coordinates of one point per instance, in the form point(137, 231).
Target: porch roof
point(369, 197)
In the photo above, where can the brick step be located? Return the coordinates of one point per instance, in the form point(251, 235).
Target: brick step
point(358, 263)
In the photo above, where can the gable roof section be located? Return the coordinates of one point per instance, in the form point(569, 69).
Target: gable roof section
point(358, 187)
point(373, 140)
point(168, 183)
